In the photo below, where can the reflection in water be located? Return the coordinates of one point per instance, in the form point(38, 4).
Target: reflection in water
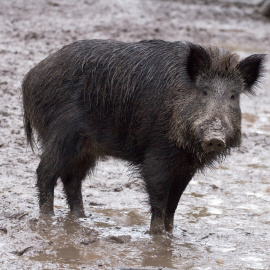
point(65, 237)
point(126, 217)
point(88, 242)
point(70, 242)
point(158, 252)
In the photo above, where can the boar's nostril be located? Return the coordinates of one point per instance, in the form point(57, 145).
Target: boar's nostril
point(213, 145)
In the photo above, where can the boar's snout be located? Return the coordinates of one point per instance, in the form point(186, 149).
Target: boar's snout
point(213, 145)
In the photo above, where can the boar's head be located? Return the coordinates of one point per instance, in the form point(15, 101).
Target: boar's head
point(206, 109)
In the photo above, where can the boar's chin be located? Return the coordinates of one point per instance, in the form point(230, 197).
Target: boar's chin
point(194, 147)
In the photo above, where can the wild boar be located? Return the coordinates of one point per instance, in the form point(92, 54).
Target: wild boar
point(168, 108)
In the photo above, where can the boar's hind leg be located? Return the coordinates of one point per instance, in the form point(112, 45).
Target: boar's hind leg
point(156, 177)
point(77, 160)
point(179, 182)
point(72, 181)
point(46, 180)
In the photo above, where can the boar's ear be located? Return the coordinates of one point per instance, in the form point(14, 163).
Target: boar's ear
point(198, 60)
point(251, 69)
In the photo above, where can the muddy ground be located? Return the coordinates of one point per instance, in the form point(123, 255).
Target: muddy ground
point(223, 219)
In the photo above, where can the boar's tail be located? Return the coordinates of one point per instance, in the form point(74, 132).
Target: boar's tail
point(28, 132)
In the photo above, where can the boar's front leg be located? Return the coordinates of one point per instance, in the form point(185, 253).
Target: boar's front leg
point(167, 171)
point(180, 177)
point(156, 176)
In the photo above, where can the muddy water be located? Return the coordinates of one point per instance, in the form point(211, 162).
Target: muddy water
point(223, 219)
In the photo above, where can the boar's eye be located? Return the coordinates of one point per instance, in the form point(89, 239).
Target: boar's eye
point(205, 93)
point(233, 97)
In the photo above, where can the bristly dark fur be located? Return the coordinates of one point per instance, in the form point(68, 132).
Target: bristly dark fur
point(151, 103)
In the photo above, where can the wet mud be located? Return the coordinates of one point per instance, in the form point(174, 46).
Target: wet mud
point(223, 219)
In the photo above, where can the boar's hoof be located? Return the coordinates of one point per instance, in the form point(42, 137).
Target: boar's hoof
point(157, 225)
point(213, 145)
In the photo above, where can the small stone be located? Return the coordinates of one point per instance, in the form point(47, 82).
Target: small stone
point(119, 239)
point(118, 189)
point(220, 261)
